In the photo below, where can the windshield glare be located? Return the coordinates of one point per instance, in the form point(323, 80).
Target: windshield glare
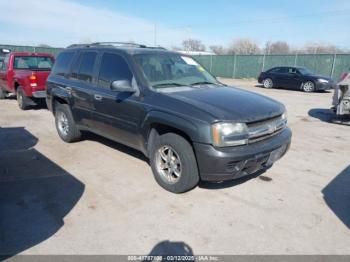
point(305, 71)
point(33, 63)
point(164, 70)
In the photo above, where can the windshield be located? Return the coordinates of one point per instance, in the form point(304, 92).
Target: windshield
point(164, 70)
point(33, 63)
point(305, 71)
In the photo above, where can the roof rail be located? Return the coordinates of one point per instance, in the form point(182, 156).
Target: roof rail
point(108, 44)
point(157, 47)
point(119, 44)
point(79, 45)
point(115, 44)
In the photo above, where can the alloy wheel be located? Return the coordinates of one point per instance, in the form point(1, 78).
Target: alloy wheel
point(308, 86)
point(168, 164)
point(268, 83)
point(62, 123)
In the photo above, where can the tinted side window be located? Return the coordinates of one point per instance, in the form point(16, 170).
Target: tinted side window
point(84, 67)
point(62, 63)
point(279, 70)
point(75, 68)
point(283, 70)
point(113, 67)
point(87, 66)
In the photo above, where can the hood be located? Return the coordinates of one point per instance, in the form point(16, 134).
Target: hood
point(229, 103)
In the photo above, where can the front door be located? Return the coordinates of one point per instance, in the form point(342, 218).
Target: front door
point(117, 115)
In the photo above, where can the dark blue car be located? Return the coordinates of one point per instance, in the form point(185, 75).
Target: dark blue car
point(298, 78)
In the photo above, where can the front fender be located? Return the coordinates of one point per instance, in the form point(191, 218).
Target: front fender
point(196, 130)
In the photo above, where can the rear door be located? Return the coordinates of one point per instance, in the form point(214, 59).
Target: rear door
point(280, 76)
point(117, 114)
point(82, 80)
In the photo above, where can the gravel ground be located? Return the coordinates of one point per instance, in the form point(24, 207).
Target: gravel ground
point(99, 197)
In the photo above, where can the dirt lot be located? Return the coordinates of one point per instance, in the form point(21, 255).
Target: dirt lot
point(98, 197)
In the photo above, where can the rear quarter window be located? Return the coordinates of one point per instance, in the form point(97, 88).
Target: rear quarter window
point(62, 63)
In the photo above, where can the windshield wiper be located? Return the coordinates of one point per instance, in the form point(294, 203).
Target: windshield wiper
point(203, 83)
point(167, 84)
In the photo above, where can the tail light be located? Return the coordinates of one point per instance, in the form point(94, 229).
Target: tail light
point(32, 81)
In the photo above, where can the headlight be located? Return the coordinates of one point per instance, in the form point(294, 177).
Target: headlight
point(229, 134)
point(285, 116)
point(323, 80)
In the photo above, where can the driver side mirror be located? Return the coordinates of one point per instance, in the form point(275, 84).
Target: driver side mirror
point(122, 86)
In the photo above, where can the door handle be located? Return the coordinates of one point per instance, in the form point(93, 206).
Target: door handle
point(98, 97)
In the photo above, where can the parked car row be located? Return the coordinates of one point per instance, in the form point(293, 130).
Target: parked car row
point(162, 103)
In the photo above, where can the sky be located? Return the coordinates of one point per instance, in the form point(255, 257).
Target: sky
point(167, 23)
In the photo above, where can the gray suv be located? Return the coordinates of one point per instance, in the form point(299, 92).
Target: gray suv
point(166, 105)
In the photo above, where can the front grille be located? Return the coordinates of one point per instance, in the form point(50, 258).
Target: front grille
point(264, 129)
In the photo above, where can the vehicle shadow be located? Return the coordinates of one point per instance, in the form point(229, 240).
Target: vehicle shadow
point(168, 248)
point(325, 115)
point(38, 106)
point(35, 193)
point(115, 145)
point(337, 196)
point(230, 183)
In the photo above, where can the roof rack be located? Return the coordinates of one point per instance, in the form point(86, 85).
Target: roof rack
point(108, 44)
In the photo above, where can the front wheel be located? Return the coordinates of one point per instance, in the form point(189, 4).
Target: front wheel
point(173, 163)
point(308, 87)
point(268, 83)
point(65, 125)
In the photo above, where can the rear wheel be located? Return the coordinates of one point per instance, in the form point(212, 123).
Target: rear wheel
point(268, 83)
point(65, 125)
point(308, 87)
point(173, 163)
point(22, 99)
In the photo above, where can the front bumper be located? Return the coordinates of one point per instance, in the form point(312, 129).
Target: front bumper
point(39, 94)
point(219, 164)
point(325, 86)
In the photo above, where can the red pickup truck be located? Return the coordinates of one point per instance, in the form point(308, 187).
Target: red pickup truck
point(24, 74)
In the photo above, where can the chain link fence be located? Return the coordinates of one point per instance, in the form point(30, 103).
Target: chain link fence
point(246, 66)
point(34, 49)
point(250, 66)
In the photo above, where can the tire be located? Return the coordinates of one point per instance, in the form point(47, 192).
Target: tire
point(22, 99)
point(182, 172)
point(268, 83)
point(2, 94)
point(308, 87)
point(65, 125)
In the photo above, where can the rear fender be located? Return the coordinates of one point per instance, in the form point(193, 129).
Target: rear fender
point(57, 94)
